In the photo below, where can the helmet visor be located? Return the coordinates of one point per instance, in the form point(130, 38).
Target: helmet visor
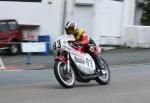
point(69, 30)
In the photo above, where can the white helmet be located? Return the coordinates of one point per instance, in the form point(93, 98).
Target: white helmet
point(70, 27)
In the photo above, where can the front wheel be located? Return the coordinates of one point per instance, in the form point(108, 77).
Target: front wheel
point(104, 78)
point(65, 78)
point(13, 49)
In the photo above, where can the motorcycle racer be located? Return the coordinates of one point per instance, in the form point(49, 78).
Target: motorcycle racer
point(82, 38)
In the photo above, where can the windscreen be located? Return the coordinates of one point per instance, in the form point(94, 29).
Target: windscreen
point(4, 27)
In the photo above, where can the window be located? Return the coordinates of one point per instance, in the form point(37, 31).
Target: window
point(24, 0)
point(12, 25)
point(4, 27)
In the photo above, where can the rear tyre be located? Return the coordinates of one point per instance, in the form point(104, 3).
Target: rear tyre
point(105, 78)
point(66, 79)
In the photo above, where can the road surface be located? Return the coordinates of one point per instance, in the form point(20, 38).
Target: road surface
point(129, 84)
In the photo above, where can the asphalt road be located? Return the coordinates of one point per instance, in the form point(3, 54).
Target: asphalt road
point(129, 84)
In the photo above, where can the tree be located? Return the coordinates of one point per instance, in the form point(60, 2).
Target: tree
point(145, 6)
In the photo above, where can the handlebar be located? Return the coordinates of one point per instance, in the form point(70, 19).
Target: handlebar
point(72, 43)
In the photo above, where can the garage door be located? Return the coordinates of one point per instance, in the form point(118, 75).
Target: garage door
point(83, 15)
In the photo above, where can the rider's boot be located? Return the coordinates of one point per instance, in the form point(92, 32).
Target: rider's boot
point(98, 63)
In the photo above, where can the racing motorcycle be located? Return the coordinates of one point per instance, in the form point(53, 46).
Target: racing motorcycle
point(73, 64)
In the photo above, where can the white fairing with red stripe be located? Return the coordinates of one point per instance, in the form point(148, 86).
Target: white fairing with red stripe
point(83, 61)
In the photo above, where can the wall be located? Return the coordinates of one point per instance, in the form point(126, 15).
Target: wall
point(103, 19)
point(128, 16)
point(108, 22)
point(83, 15)
point(137, 36)
point(108, 17)
point(48, 16)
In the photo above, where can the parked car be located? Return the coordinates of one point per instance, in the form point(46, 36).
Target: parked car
point(10, 36)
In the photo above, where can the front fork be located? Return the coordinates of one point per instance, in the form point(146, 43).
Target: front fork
point(68, 63)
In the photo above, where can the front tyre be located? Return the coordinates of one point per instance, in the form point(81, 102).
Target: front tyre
point(66, 79)
point(104, 78)
point(14, 49)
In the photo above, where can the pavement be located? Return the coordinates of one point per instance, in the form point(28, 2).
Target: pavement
point(20, 62)
point(124, 56)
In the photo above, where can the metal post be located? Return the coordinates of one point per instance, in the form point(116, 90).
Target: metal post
point(29, 58)
point(68, 63)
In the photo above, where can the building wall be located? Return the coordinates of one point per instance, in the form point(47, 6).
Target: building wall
point(48, 16)
point(104, 20)
point(128, 17)
point(108, 22)
point(84, 16)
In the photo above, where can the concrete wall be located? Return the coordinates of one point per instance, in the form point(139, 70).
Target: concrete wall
point(137, 36)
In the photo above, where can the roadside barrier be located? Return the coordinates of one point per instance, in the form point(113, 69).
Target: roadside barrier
point(28, 48)
point(32, 47)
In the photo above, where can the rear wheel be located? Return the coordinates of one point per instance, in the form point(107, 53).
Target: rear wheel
point(65, 78)
point(104, 78)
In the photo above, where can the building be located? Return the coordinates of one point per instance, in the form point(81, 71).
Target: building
point(104, 20)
